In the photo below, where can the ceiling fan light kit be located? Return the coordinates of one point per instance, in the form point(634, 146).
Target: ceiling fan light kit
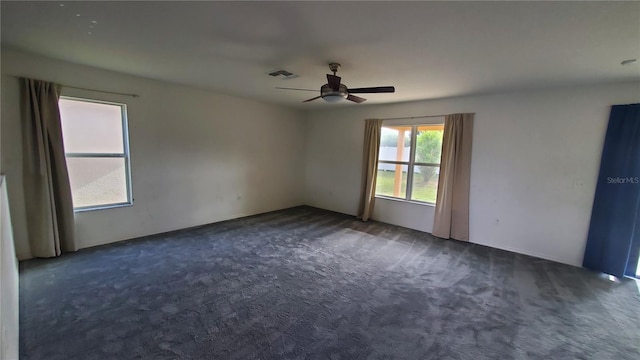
point(328, 94)
point(334, 91)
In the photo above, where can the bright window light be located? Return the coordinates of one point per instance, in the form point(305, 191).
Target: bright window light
point(409, 162)
point(97, 151)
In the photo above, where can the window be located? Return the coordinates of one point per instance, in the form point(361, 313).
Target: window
point(406, 171)
point(97, 150)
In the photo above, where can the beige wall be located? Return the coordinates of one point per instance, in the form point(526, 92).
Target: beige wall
point(536, 157)
point(8, 282)
point(196, 157)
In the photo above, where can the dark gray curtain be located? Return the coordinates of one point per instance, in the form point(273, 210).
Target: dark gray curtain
point(50, 217)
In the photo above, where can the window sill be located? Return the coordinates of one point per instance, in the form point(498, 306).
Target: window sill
point(102, 207)
point(405, 201)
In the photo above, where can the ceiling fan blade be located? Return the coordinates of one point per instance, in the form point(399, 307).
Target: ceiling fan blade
point(356, 99)
point(317, 97)
point(371, 90)
point(285, 88)
point(334, 81)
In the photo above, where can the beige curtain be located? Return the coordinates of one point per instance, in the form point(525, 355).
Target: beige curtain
point(452, 205)
point(371, 149)
point(48, 201)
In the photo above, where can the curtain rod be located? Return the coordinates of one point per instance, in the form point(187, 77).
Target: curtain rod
point(86, 89)
point(414, 117)
point(102, 91)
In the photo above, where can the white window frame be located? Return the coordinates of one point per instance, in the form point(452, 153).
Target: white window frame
point(411, 163)
point(125, 154)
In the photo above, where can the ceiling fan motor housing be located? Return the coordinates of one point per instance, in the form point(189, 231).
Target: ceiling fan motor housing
point(329, 94)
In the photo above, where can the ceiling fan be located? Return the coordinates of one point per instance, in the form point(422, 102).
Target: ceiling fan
point(334, 91)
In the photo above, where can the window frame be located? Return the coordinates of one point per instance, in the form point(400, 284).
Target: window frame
point(126, 154)
point(411, 163)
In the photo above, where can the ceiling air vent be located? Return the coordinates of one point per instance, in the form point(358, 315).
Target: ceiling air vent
point(283, 74)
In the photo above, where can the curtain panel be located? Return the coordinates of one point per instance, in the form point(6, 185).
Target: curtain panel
point(50, 217)
point(452, 205)
point(371, 149)
point(613, 242)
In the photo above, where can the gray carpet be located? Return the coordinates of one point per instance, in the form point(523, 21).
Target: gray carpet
point(305, 283)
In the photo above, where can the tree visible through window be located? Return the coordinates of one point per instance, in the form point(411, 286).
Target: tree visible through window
point(410, 172)
point(97, 152)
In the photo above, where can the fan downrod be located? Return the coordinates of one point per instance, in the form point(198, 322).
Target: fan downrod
point(334, 67)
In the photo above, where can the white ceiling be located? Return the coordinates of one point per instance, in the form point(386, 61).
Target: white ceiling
point(426, 49)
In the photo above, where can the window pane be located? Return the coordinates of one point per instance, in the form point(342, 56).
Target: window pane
point(97, 181)
point(89, 127)
point(395, 142)
point(425, 183)
point(429, 143)
point(392, 180)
